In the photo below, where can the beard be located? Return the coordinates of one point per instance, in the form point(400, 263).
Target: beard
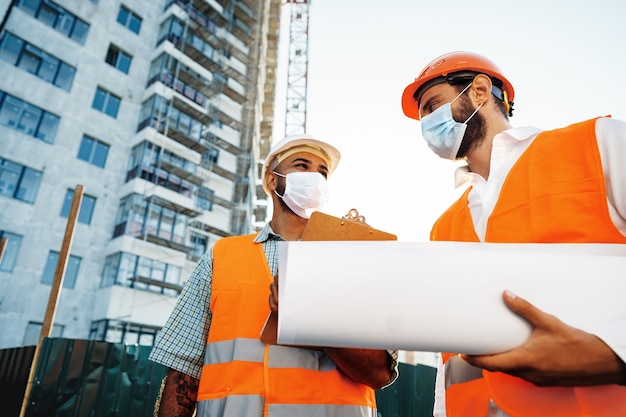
point(280, 191)
point(476, 127)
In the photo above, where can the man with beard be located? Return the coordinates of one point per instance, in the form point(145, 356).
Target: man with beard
point(211, 342)
point(526, 186)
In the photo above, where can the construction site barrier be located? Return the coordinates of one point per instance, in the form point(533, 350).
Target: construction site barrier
point(86, 378)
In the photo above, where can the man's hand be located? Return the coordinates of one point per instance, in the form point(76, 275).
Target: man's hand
point(274, 295)
point(556, 354)
point(366, 366)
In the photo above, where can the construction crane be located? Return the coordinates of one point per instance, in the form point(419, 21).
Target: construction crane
point(297, 67)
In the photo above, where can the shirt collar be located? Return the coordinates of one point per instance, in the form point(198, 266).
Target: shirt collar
point(518, 133)
point(266, 234)
point(502, 140)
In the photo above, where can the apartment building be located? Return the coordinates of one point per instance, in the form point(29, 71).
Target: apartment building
point(162, 110)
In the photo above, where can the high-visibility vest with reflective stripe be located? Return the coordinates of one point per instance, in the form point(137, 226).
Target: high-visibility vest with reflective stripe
point(554, 193)
point(244, 377)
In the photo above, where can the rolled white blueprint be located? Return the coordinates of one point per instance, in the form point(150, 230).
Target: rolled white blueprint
point(441, 296)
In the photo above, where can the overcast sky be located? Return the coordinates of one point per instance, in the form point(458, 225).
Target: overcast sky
point(565, 59)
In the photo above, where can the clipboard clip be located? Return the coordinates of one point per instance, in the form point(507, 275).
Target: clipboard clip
point(354, 216)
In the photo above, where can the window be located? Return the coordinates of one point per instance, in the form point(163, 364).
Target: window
point(106, 102)
point(71, 270)
point(220, 79)
point(10, 250)
point(211, 156)
point(199, 243)
point(204, 197)
point(24, 117)
point(118, 58)
point(156, 108)
point(138, 217)
point(57, 18)
point(127, 18)
point(93, 151)
point(33, 331)
point(87, 205)
point(18, 181)
point(117, 331)
point(11, 48)
point(29, 58)
point(161, 177)
point(134, 271)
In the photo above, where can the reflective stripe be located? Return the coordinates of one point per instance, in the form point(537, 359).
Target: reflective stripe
point(286, 385)
point(252, 405)
point(233, 406)
point(457, 371)
point(242, 349)
point(288, 357)
point(316, 410)
point(252, 350)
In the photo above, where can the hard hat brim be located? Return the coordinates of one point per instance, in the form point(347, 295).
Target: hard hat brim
point(300, 140)
point(409, 104)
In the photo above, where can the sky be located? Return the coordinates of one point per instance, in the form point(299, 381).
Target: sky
point(565, 59)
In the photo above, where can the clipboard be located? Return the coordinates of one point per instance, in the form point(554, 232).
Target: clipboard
point(323, 226)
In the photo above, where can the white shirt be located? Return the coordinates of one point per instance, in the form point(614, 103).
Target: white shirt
point(507, 147)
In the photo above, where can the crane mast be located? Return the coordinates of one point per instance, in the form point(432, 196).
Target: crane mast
point(297, 67)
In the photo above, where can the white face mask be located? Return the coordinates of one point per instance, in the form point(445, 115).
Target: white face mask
point(305, 192)
point(442, 133)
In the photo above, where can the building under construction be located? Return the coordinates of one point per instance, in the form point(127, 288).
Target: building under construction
point(163, 111)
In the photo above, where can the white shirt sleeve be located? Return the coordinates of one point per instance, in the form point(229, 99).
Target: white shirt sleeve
point(611, 136)
point(439, 410)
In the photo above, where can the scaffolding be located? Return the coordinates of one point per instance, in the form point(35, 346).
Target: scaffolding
point(297, 67)
point(201, 33)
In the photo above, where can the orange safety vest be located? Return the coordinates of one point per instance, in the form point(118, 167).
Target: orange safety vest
point(555, 193)
point(243, 376)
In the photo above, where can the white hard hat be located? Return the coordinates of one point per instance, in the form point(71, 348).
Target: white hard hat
point(301, 142)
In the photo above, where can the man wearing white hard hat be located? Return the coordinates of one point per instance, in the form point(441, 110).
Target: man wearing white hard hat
point(211, 341)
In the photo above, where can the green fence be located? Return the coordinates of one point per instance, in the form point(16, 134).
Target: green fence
point(412, 395)
point(85, 378)
point(14, 367)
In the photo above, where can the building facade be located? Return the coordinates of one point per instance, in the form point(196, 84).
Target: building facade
point(162, 110)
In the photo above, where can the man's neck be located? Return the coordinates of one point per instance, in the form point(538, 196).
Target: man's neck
point(288, 225)
point(479, 159)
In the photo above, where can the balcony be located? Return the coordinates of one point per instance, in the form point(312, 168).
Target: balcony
point(159, 198)
point(244, 13)
point(222, 143)
point(158, 283)
point(208, 228)
point(219, 66)
point(199, 145)
point(178, 171)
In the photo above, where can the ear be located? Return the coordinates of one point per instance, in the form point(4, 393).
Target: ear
point(480, 91)
point(270, 180)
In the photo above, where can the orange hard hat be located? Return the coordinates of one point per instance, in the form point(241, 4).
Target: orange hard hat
point(448, 64)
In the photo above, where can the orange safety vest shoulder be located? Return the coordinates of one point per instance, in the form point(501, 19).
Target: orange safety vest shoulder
point(241, 375)
point(554, 193)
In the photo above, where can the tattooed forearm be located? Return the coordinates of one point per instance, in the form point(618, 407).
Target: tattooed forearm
point(186, 391)
point(179, 396)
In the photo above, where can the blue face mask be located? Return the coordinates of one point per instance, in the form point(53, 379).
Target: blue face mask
point(442, 133)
